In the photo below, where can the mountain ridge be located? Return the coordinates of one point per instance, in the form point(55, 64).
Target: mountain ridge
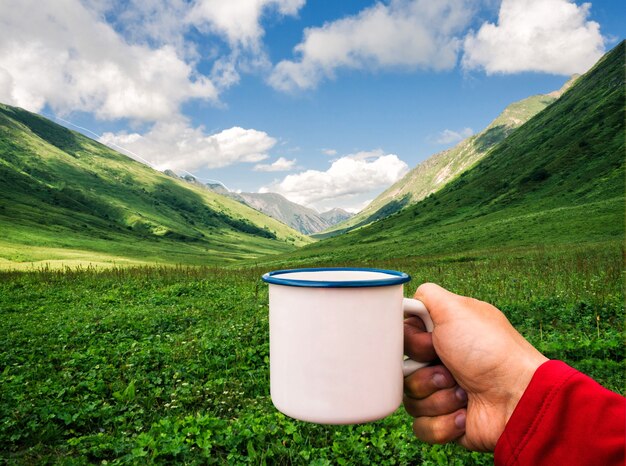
point(275, 205)
point(436, 171)
point(61, 191)
point(556, 180)
point(300, 218)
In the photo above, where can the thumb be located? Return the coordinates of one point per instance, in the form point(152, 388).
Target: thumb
point(437, 300)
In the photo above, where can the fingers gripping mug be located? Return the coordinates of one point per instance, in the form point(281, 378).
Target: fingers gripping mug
point(336, 343)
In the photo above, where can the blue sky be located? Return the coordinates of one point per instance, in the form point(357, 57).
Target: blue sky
point(326, 102)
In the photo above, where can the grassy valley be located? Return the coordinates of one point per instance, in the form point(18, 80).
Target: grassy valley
point(67, 198)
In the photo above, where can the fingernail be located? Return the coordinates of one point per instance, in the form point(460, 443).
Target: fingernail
point(459, 420)
point(461, 394)
point(439, 380)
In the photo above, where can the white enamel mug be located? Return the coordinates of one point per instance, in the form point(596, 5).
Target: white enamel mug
point(336, 343)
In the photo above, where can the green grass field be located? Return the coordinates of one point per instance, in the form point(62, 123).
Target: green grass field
point(163, 365)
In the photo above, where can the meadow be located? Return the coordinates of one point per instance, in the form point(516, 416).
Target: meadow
point(170, 364)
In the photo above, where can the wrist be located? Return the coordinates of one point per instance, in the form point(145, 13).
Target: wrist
point(524, 375)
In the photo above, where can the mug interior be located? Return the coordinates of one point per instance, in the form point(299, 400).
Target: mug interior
point(336, 277)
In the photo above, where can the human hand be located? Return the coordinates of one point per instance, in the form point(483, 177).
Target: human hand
point(485, 368)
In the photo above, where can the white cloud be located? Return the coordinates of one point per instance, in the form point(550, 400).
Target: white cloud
point(127, 59)
point(238, 21)
point(356, 208)
point(549, 36)
point(280, 165)
point(405, 33)
point(448, 136)
point(158, 22)
point(344, 184)
point(329, 151)
point(66, 56)
point(179, 147)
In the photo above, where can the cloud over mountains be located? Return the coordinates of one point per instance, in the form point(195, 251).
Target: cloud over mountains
point(350, 177)
point(180, 147)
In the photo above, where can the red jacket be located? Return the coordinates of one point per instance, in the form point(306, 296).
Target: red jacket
point(564, 418)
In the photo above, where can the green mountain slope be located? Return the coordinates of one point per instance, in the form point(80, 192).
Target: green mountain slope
point(438, 170)
point(66, 197)
point(558, 179)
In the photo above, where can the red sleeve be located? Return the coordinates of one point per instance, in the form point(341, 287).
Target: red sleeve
point(564, 418)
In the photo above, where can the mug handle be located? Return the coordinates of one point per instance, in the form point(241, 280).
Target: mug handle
point(416, 308)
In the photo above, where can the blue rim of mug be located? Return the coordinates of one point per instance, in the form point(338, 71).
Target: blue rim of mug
point(395, 278)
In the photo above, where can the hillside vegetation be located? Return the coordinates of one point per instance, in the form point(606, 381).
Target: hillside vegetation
point(558, 179)
point(67, 198)
point(428, 177)
point(437, 171)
